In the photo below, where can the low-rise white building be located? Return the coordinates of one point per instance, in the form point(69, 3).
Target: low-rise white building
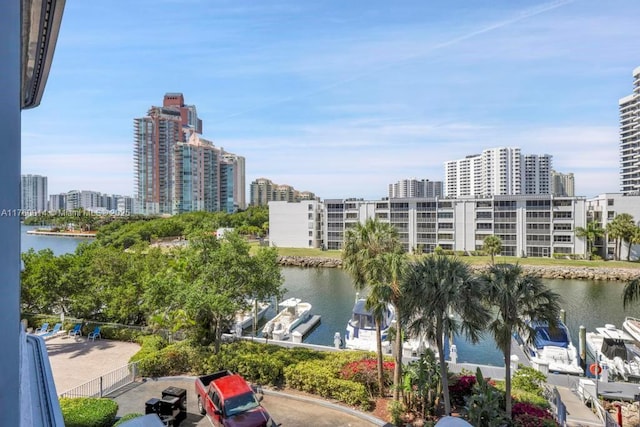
point(296, 224)
point(529, 225)
point(603, 209)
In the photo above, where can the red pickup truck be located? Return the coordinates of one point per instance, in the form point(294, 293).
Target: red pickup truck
point(230, 401)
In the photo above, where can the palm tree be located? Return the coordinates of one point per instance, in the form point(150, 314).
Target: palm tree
point(374, 257)
point(492, 245)
point(591, 232)
point(517, 299)
point(442, 297)
point(631, 292)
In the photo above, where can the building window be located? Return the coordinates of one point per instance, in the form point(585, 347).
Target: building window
point(609, 202)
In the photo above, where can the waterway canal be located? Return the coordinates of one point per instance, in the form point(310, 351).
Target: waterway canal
point(330, 291)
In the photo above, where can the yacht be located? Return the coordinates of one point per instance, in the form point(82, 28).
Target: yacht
point(293, 312)
point(552, 349)
point(361, 328)
point(632, 326)
point(615, 349)
point(244, 318)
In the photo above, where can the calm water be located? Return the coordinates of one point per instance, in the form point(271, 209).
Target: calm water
point(330, 291)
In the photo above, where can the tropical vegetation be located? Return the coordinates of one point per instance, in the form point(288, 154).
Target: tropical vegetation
point(374, 257)
point(519, 301)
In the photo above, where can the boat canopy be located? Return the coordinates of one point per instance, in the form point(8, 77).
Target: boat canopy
point(359, 308)
point(291, 302)
point(557, 336)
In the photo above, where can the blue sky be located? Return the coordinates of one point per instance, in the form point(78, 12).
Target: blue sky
point(339, 98)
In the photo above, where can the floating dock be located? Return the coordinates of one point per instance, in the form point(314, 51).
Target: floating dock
point(304, 328)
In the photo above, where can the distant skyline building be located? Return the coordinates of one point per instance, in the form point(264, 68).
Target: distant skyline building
point(498, 171)
point(630, 139)
point(33, 193)
point(562, 184)
point(93, 201)
point(413, 187)
point(262, 191)
point(176, 170)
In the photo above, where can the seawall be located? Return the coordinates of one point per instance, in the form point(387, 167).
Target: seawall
point(545, 272)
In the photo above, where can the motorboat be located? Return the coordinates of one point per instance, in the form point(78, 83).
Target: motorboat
point(615, 349)
point(551, 350)
point(361, 328)
point(293, 312)
point(245, 318)
point(632, 326)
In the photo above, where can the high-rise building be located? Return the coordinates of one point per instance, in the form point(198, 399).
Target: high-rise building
point(562, 184)
point(536, 174)
point(263, 191)
point(630, 139)
point(239, 183)
point(155, 139)
point(176, 170)
point(415, 188)
point(498, 171)
point(33, 193)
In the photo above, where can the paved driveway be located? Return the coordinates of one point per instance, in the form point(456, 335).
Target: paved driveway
point(75, 361)
point(285, 410)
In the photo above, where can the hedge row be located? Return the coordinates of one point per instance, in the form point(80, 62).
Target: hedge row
point(265, 364)
point(88, 411)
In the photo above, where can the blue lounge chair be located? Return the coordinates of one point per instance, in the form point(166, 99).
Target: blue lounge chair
point(42, 329)
point(95, 334)
point(76, 331)
point(53, 332)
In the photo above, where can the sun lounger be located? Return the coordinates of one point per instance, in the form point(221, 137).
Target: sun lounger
point(76, 331)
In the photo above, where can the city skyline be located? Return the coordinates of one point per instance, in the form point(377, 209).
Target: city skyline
point(337, 99)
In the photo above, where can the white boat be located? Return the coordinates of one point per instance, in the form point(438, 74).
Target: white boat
point(552, 350)
point(293, 312)
point(632, 326)
point(361, 328)
point(244, 318)
point(616, 350)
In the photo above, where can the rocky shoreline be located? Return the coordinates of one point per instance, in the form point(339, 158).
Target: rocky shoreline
point(545, 272)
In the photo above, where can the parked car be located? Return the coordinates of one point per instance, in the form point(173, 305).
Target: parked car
point(229, 401)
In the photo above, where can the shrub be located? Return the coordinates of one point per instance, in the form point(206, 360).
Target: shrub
point(365, 372)
point(461, 388)
point(528, 379)
point(88, 412)
point(318, 378)
point(528, 415)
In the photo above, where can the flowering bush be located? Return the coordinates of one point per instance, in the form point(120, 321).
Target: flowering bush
point(528, 415)
point(365, 372)
point(461, 388)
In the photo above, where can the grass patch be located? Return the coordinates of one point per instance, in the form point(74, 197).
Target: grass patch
point(477, 260)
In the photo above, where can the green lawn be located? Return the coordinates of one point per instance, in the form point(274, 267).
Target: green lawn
point(304, 252)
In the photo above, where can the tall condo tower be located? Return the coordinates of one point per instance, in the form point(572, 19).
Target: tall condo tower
point(630, 139)
point(33, 193)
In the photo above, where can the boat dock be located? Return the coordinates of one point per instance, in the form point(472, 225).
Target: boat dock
point(303, 329)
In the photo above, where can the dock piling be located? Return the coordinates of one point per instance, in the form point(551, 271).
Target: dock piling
point(582, 343)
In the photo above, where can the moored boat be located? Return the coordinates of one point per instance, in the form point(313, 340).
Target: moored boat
point(632, 326)
point(245, 318)
point(361, 328)
point(615, 349)
point(551, 350)
point(293, 312)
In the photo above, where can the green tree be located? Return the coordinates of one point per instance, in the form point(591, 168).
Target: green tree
point(374, 257)
point(219, 277)
point(492, 245)
point(517, 299)
point(621, 229)
point(590, 233)
point(442, 298)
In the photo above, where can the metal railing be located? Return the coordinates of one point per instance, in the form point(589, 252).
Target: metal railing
point(105, 384)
